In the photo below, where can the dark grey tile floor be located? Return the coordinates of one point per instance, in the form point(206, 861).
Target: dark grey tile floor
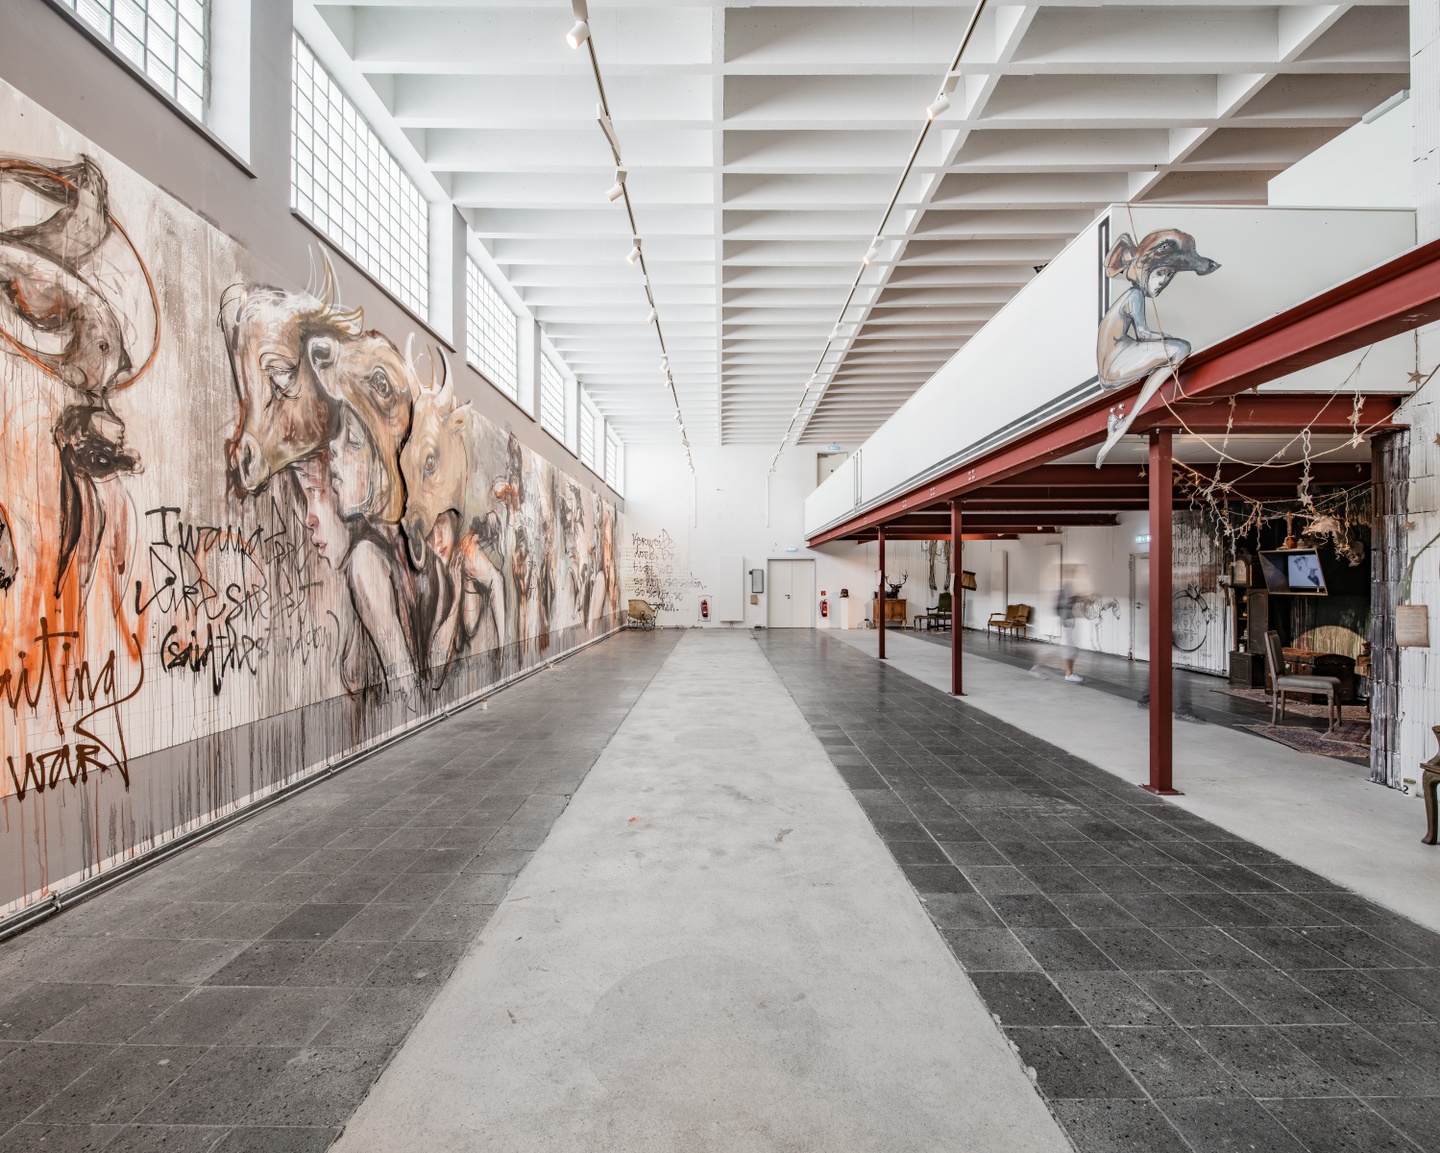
point(1172, 987)
point(245, 995)
point(1197, 696)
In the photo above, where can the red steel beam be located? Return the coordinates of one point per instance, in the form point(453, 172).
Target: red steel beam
point(880, 596)
point(1275, 413)
point(1123, 499)
point(1162, 582)
point(1398, 296)
point(1007, 516)
point(957, 603)
point(1012, 533)
point(1063, 479)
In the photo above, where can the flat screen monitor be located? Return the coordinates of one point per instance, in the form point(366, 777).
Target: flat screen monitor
point(1304, 572)
point(1295, 571)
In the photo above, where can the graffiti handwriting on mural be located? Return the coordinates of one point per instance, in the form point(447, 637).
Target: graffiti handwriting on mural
point(75, 700)
point(232, 593)
point(654, 575)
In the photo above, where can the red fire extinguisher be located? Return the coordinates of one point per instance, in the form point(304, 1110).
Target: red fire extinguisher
point(704, 608)
point(824, 604)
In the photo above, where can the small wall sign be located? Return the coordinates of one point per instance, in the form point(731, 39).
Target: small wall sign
point(1412, 626)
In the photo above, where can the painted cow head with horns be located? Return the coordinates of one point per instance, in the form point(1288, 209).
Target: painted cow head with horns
point(435, 464)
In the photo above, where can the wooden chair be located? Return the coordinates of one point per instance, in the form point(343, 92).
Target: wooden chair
point(939, 616)
point(1282, 684)
point(997, 620)
point(641, 614)
point(1015, 619)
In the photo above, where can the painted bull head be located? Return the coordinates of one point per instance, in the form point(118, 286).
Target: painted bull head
point(375, 388)
point(435, 466)
point(284, 413)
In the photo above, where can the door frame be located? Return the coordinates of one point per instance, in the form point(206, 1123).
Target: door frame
point(770, 601)
point(1135, 558)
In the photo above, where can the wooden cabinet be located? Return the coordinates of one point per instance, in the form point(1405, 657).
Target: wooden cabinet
point(1251, 620)
point(894, 610)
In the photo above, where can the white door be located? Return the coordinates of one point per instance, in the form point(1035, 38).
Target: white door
point(1139, 607)
point(791, 594)
point(802, 588)
point(779, 597)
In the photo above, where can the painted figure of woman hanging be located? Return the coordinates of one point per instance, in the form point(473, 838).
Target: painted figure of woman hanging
point(1128, 348)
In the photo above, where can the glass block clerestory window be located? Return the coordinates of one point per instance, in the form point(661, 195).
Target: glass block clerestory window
point(492, 338)
point(345, 182)
point(614, 462)
point(164, 39)
point(552, 399)
point(587, 435)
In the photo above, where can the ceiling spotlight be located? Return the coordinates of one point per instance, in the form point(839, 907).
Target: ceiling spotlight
point(617, 190)
point(578, 35)
point(665, 364)
point(653, 318)
point(873, 253)
point(634, 253)
point(941, 104)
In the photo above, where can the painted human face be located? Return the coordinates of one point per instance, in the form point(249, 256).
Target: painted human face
point(352, 466)
point(442, 538)
point(330, 534)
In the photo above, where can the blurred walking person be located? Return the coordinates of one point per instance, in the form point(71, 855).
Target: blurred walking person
point(1072, 592)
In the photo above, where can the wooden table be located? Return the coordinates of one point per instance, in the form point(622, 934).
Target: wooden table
point(894, 610)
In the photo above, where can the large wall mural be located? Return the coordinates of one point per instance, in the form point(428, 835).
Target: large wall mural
point(241, 534)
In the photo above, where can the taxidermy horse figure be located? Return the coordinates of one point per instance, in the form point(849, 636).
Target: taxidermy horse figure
point(1128, 348)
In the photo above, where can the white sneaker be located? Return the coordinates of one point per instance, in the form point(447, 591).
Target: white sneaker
point(1038, 673)
point(1075, 679)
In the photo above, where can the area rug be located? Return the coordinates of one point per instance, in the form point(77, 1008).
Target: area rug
point(1313, 741)
point(1356, 714)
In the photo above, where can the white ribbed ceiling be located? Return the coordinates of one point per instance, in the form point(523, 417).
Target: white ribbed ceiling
point(763, 142)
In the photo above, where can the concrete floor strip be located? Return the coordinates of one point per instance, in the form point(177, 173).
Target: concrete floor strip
point(712, 950)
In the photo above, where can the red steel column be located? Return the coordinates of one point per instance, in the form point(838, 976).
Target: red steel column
point(957, 602)
point(1161, 609)
point(880, 597)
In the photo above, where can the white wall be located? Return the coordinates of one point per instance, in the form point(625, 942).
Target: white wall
point(1366, 166)
point(1105, 551)
point(676, 531)
point(1419, 668)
